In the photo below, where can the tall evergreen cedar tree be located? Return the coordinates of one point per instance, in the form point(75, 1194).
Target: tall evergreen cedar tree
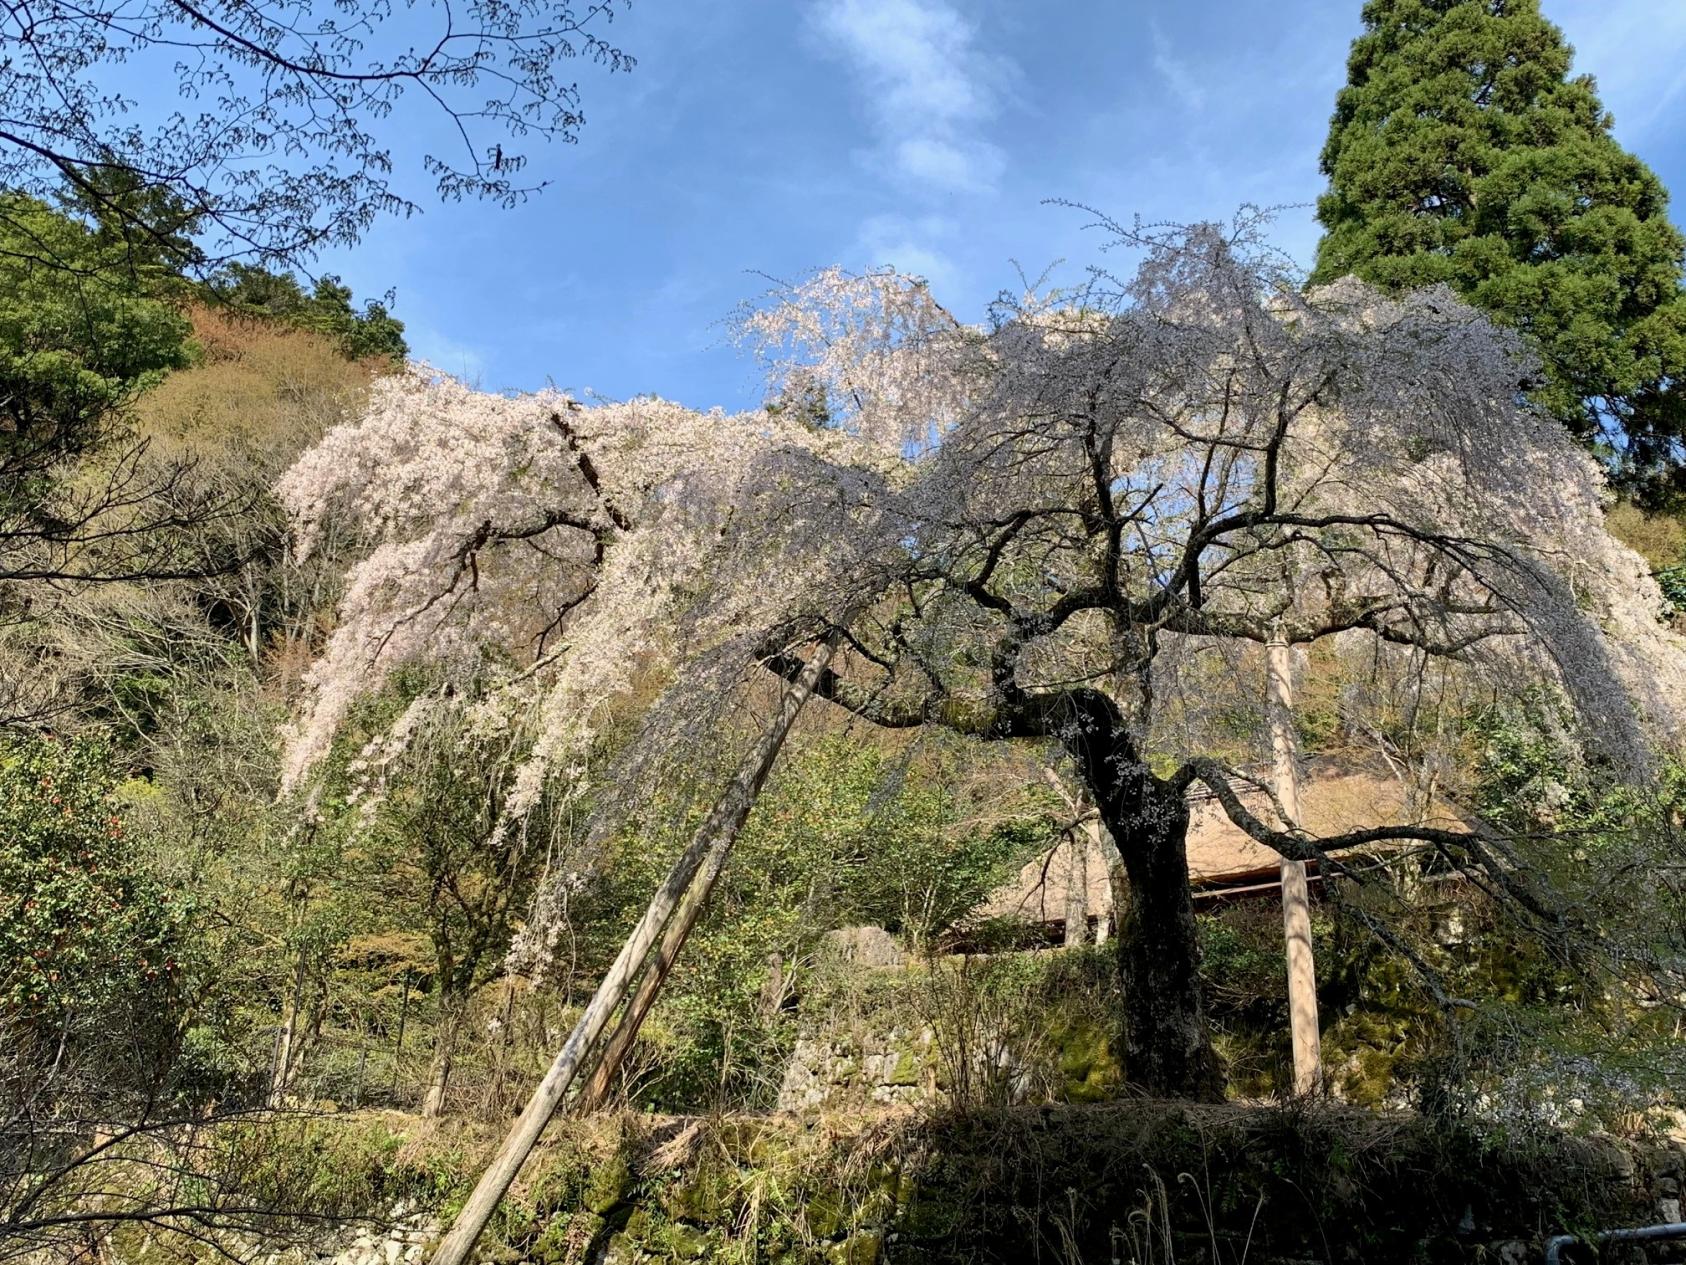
point(1462, 151)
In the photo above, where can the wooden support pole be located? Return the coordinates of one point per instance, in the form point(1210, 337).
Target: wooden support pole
point(1296, 898)
point(655, 975)
point(1077, 887)
point(719, 829)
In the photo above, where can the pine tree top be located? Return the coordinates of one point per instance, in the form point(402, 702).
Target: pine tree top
point(1463, 150)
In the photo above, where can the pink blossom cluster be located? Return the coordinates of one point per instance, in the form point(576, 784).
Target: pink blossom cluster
point(1104, 487)
point(535, 553)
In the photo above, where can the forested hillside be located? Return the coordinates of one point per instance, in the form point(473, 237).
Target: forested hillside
point(1065, 781)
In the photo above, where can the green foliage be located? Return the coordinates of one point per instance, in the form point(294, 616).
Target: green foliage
point(1523, 773)
point(440, 850)
point(327, 309)
point(77, 340)
point(1241, 958)
point(442, 856)
point(1672, 581)
point(146, 228)
point(844, 834)
point(1463, 152)
point(279, 893)
point(1567, 1014)
point(81, 926)
point(983, 1030)
point(1527, 777)
point(1259, 1182)
point(1386, 1040)
point(883, 839)
point(1025, 1025)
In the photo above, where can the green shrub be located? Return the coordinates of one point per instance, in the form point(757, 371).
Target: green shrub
point(82, 928)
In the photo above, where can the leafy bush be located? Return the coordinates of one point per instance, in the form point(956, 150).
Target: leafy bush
point(1672, 580)
point(844, 834)
point(77, 341)
point(81, 928)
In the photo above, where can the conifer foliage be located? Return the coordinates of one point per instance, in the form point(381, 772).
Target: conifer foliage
point(1462, 150)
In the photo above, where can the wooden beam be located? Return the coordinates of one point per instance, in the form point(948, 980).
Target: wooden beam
point(718, 831)
point(1296, 899)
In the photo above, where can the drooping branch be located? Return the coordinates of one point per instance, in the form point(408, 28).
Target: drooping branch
point(1390, 619)
point(1474, 850)
point(870, 704)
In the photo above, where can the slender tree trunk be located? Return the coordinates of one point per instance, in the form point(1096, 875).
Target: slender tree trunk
point(452, 1008)
point(362, 1062)
point(287, 1053)
point(506, 1037)
point(1118, 882)
point(403, 1018)
point(253, 627)
point(1077, 887)
point(287, 1043)
point(1079, 839)
point(719, 828)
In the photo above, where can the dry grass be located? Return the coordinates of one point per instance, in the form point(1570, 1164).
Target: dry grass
point(1659, 538)
point(258, 389)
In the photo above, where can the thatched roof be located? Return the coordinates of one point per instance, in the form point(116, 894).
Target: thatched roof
point(1335, 796)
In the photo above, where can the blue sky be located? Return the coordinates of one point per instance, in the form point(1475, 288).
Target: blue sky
point(774, 136)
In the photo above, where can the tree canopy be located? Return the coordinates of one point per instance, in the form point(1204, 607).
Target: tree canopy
point(327, 309)
point(362, 732)
point(281, 139)
point(75, 342)
point(1463, 151)
point(1053, 528)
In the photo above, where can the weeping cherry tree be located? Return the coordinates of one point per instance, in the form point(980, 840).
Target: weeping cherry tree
point(1047, 527)
point(1109, 490)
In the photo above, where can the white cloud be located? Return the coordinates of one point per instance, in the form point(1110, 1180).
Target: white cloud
point(910, 245)
point(1182, 82)
point(928, 85)
point(947, 164)
point(444, 352)
point(1637, 51)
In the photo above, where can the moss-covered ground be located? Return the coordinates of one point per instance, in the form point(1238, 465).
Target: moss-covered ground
point(1140, 1180)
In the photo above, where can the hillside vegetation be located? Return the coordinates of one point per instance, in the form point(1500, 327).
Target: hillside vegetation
point(1185, 766)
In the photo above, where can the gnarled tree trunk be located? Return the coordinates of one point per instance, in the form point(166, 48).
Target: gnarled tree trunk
point(1167, 1044)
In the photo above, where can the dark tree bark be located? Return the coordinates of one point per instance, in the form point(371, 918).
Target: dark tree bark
point(1167, 1044)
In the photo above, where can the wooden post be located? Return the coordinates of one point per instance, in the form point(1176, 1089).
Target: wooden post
point(719, 829)
point(655, 975)
point(1296, 899)
point(403, 1015)
point(1077, 888)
